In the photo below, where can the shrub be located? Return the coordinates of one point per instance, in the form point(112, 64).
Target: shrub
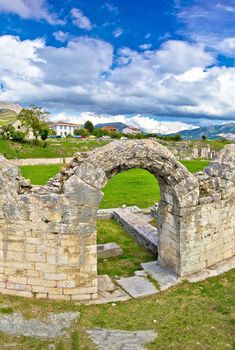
point(17, 136)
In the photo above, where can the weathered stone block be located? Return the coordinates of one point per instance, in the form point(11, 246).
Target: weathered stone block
point(109, 250)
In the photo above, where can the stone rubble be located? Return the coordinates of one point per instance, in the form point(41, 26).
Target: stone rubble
point(49, 328)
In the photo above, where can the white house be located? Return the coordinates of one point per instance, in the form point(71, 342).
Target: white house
point(63, 129)
point(19, 127)
point(131, 130)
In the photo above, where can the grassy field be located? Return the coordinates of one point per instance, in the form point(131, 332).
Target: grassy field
point(197, 316)
point(132, 187)
point(138, 187)
point(217, 145)
point(195, 165)
point(40, 174)
point(133, 254)
point(52, 148)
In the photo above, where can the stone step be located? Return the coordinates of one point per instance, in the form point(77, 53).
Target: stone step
point(137, 286)
point(162, 275)
point(137, 227)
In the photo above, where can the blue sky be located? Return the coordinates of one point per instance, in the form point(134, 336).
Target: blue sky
point(163, 65)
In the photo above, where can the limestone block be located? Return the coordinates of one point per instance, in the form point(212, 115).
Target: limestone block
point(109, 250)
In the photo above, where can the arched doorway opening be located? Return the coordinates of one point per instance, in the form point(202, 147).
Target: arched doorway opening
point(126, 226)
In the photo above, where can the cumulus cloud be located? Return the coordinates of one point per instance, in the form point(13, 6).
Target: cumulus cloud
point(145, 123)
point(178, 79)
point(61, 36)
point(227, 46)
point(80, 20)
point(145, 46)
point(117, 32)
point(27, 9)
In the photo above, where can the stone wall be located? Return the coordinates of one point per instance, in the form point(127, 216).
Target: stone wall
point(47, 238)
point(48, 233)
point(186, 150)
point(38, 161)
point(208, 234)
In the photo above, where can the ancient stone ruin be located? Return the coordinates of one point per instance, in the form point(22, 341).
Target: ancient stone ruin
point(48, 233)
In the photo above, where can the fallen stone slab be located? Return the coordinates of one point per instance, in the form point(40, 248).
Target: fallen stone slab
point(109, 339)
point(137, 227)
point(162, 275)
point(108, 250)
point(137, 286)
point(108, 292)
point(48, 328)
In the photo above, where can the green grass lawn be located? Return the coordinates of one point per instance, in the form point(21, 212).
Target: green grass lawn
point(132, 187)
point(139, 187)
point(133, 253)
point(40, 174)
point(197, 316)
point(52, 148)
point(195, 165)
point(66, 147)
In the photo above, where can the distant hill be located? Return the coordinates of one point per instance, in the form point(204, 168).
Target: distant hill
point(118, 125)
point(8, 112)
point(214, 132)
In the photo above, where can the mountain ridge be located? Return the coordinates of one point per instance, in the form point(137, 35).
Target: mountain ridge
point(212, 132)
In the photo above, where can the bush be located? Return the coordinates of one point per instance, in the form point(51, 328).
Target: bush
point(44, 134)
point(17, 136)
point(81, 132)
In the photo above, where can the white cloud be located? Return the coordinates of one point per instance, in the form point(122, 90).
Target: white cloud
point(110, 7)
point(145, 123)
point(80, 20)
point(117, 32)
point(30, 9)
point(178, 79)
point(227, 46)
point(61, 36)
point(145, 46)
point(177, 56)
point(226, 8)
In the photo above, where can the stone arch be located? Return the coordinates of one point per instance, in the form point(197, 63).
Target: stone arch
point(178, 186)
point(48, 233)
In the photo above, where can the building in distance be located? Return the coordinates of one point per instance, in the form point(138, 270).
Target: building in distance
point(64, 129)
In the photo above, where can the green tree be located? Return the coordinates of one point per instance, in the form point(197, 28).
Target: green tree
point(89, 126)
point(81, 132)
point(6, 130)
point(44, 134)
point(204, 137)
point(34, 119)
